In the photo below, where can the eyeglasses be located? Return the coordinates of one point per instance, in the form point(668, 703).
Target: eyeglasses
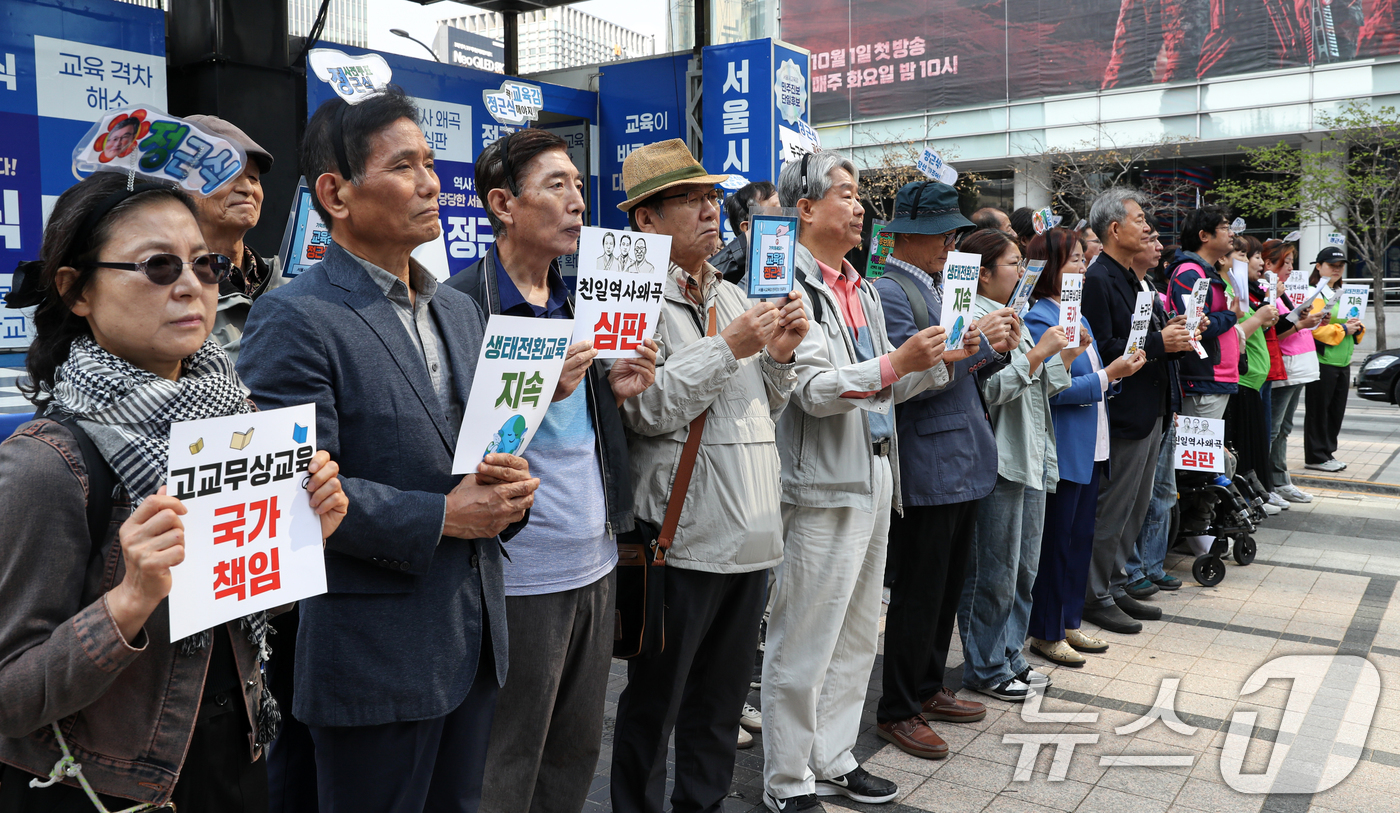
point(164, 269)
point(1021, 265)
point(693, 198)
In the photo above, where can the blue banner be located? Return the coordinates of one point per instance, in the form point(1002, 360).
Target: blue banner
point(63, 65)
point(756, 99)
point(639, 102)
point(453, 113)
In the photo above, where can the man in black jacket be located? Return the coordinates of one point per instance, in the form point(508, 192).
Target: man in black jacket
point(1135, 415)
point(559, 580)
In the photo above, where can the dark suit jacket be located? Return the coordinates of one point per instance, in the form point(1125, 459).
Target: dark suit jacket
point(1110, 296)
point(947, 451)
point(397, 636)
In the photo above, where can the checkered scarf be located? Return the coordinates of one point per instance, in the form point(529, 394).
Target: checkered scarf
point(127, 412)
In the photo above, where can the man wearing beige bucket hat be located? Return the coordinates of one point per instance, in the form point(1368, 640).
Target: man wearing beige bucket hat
point(723, 369)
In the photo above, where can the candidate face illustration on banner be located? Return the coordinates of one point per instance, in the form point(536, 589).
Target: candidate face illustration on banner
point(145, 142)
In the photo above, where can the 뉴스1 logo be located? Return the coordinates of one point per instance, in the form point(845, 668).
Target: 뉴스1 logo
point(514, 103)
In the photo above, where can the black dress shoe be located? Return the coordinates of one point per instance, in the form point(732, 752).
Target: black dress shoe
point(1136, 609)
point(1112, 619)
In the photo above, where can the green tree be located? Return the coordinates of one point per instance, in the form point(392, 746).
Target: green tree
point(1352, 182)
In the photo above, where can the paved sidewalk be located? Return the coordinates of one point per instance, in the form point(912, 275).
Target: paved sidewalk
point(1323, 584)
point(1369, 444)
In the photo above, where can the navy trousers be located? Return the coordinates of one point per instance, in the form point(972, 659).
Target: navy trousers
point(1065, 552)
point(421, 766)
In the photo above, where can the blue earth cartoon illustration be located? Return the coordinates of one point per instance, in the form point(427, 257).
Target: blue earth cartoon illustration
point(509, 438)
point(1354, 313)
point(955, 333)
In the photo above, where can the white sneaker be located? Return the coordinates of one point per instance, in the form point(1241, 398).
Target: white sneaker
point(1278, 501)
point(751, 718)
point(745, 738)
point(1291, 493)
point(1031, 677)
point(1271, 510)
point(1329, 465)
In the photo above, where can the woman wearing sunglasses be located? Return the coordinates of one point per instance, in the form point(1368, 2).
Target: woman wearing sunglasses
point(126, 293)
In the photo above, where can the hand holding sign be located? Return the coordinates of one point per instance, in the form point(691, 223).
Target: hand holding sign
point(792, 328)
point(920, 351)
point(751, 330)
point(484, 505)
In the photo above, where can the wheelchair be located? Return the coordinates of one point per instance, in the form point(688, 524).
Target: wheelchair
point(1214, 517)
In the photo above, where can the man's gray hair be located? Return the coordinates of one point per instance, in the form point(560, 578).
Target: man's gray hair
point(1109, 208)
point(820, 165)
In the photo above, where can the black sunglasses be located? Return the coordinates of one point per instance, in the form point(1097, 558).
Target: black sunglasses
point(164, 269)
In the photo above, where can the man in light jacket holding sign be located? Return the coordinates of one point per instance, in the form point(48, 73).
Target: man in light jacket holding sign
point(724, 372)
point(398, 664)
point(840, 476)
point(560, 579)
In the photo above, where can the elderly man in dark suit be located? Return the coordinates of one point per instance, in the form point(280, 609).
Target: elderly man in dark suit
point(398, 665)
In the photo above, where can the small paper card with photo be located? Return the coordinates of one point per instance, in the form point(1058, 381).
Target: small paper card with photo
point(1021, 299)
point(1196, 312)
point(1142, 318)
point(772, 255)
point(960, 275)
point(1071, 295)
point(621, 278)
point(252, 539)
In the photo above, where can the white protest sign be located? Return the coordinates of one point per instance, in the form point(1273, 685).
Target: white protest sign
point(1354, 301)
point(158, 147)
point(1071, 293)
point(1237, 225)
point(1239, 280)
point(960, 275)
point(1336, 239)
point(516, 373)
point(1271, 285)
point(1043, 220)
point(353, 78)
point(1293, 236)
point(1322, 289)
point(1196, 311)
point(252, 540)
point(1296, 286)
point(1142, 317)
point(1020, 300)
point(931, 164)
point(621, 276)
point(1200, 444)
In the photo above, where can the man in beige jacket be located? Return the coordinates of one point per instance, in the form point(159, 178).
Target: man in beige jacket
point(730, 530)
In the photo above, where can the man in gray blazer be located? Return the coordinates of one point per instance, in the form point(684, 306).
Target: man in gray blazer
point(398, 664)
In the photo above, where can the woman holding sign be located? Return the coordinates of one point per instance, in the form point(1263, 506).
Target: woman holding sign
point(1005, 554)
point(1300, 367)
point(126, 293)
point(1326, 398)
point(1081, 436)
point(1246, 416)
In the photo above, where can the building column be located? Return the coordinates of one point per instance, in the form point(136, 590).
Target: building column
point(1032, 183)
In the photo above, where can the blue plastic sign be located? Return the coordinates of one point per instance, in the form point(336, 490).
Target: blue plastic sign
point(772, 255)
point(640, 102)
point(514, 103)
point(306, 238)
point(146, 142)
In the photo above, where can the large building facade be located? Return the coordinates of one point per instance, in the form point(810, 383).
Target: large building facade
point(346, 20)
point(560, 37)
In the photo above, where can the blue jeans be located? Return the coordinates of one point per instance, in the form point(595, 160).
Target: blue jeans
point(1001, 568)
point(1150, 552)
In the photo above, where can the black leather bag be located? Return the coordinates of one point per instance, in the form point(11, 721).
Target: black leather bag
point(641, 594)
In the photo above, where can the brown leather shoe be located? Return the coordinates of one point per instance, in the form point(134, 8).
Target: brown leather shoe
point(949, 708)
point(914, 737)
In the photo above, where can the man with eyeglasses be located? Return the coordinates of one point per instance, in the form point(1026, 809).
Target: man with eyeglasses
point(1092, 245)
point(1207, 383)
point(724, 370)
point(943, 473)
point(560, 579)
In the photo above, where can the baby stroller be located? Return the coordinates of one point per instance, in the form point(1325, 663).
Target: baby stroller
point(1215, 516)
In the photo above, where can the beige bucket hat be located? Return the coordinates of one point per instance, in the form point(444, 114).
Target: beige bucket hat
point(661, 166)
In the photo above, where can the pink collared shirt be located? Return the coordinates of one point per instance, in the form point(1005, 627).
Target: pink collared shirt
point(845, 285)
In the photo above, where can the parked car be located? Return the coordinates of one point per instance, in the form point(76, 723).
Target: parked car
point(1380, 377)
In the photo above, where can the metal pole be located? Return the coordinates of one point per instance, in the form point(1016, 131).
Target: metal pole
point(511, 34)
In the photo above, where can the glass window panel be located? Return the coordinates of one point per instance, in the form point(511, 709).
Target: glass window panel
point(1072, 138)
point(1259, 121)
point(1072, 111)
point(1028, 142)
point(1028, 115)
point(1344, 83)
point(834, 137)
point(991, 145)
point(968, 121)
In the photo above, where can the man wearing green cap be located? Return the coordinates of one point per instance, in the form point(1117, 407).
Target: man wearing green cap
point(943, 475)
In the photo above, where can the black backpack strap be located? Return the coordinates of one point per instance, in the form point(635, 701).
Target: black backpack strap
point(916, 299)
point(101, 481)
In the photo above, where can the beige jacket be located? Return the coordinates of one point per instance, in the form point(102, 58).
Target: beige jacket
point(730, 522)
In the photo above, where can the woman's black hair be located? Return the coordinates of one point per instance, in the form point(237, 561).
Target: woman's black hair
point(738, 205)
point(68, 244)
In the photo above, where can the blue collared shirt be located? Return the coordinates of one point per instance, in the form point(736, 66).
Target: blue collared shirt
point(513, 303)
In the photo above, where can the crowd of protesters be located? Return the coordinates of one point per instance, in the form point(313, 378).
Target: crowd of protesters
point(1010, 489)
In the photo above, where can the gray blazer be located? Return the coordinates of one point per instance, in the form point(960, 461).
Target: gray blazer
point(397, 636)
